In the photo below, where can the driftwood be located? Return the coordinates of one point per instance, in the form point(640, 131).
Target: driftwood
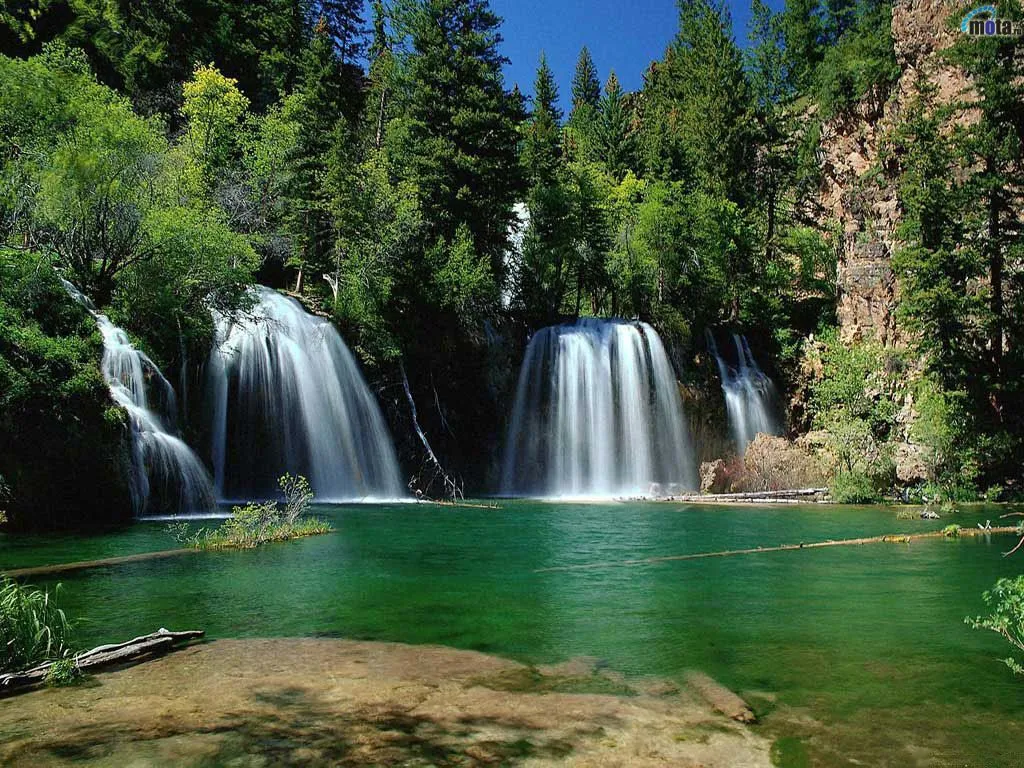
point(891, 538)
point(39, 570)
point(720, 697)
point(452, 486)
point(753, 496)
point(136, 649)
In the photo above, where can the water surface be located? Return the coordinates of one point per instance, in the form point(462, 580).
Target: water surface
point(859, 652)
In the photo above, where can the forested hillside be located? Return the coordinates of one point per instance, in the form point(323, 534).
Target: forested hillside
point(164, 156)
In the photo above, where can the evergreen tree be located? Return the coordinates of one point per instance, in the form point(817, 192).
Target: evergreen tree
point(993, 143)
point(542, 140)
point(318, 109)
point(344, 24)
point(614, 136)
point(460, 140)
point(939, 274)
point(548, 247)
point(697, 106)
point(802, 32)
point(586, 103)
point(586, 87)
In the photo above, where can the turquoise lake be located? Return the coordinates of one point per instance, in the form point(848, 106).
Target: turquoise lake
point(858, 653)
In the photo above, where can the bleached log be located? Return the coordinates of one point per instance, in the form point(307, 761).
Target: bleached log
point(136, 649)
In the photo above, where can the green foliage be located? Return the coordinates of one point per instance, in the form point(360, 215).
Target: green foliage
point(1006, 603)
point(62, 673)
point(213, 108)
point(855, 402)
point(297, 496)
point(862, 59)
point(55, 411)
point(459, 148)
point(854, 488)
point(33, 628)
point(257, 523)
point(952, 531)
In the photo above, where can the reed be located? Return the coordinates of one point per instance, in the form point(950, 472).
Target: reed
point(32, 627)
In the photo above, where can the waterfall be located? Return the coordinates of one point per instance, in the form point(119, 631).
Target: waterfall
point(166, 476)
point(597, 412)
point(286, 395)
point(750, 396)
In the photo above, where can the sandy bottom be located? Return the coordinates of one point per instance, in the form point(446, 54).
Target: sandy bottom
point(335, 702)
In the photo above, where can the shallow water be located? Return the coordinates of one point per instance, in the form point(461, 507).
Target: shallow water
point(860, 652)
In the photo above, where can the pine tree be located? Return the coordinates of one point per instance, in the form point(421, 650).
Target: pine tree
point(548, 247)
point(580, 133)
point(586, 87)
point(460, 145)
point(803, 34)
point(697, 106)
point(542, 140)
point(994, 144)
point(614, 137)
point(939, 273)
point(344, 24)
point(317, 107)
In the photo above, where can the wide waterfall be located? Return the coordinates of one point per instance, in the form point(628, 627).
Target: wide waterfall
point(597, 413)
point(166, 475)
point(751, 400)
point(286, 395)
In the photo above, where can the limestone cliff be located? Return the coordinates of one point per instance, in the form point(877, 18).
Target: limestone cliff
point(858, 192)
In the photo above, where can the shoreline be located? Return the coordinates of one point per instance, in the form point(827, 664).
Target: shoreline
point(344, 702)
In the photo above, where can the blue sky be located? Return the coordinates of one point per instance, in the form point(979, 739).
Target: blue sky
point(622, 35)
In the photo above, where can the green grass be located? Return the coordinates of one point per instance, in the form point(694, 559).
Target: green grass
point(32, 628)
point(259, 523)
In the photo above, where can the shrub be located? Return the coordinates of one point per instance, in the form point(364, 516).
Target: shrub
point(854, 488)
point(257, 523)
point(774, 463)
point(951, 531)
point(1006, 599)
point(32, 627)
point(297, 496)
point(63, 672)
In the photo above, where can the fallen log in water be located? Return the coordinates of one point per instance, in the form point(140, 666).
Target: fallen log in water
point(754, 497)
point(43, 570)
point(720, 697)
point(136, 649)
point(896, 538)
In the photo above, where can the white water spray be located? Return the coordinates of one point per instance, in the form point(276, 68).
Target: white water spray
point(750, 396)
point(597, 413)
point(166, 475)
point(285, 394)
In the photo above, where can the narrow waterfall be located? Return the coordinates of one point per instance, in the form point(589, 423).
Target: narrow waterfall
point(597, 413)
point(166, 475)
point(751, 400)
point(286, 395)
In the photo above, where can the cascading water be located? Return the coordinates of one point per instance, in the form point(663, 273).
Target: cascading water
point(597, 413)
point(750, 396)
point(285, 394)
point(166, 475)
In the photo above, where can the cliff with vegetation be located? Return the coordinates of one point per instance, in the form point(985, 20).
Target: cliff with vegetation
point(859, 193)
point(832, 189)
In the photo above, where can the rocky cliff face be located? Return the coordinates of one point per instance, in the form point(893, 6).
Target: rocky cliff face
point(859, 192)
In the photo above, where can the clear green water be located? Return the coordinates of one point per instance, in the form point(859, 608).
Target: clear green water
point(861, 652)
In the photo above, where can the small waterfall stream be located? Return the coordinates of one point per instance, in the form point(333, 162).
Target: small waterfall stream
point(167, 476)
point(597, 413)
point(751, 399)
point(284, 393)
